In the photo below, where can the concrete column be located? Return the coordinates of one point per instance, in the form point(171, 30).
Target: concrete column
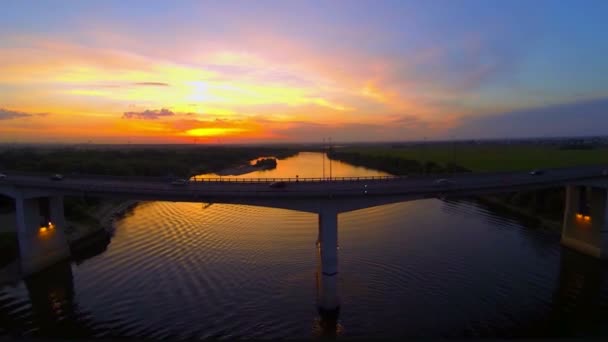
point(40, 244)
point(327, 273)
point(57, 212)
point(586, 229)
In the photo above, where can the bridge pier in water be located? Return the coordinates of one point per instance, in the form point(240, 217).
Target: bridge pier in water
point(40, 232)
point(585, 226)
point(328, 302)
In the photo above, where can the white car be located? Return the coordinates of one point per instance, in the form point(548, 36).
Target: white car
point(57, 177)
point(443, 181)
point(179, 182)
point(2, 176)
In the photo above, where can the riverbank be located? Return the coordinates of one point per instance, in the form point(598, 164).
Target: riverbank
point(523, 208)
point(497, 204)
point(89, 239)
point(101, 217)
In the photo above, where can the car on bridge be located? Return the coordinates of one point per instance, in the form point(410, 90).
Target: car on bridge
point(179, 182)
point(537, 172)
point(278, 185)
point(2, 176)
point(57, 177)
point(443, 182)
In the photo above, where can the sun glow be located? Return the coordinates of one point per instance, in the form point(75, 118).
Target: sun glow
point(214, 131)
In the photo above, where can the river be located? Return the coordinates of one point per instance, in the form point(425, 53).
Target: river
point(428, 268)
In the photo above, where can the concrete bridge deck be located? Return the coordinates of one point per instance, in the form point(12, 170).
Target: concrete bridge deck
point(221, 188)
point(39, 200)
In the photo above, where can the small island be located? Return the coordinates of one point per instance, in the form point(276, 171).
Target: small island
point(258, 165)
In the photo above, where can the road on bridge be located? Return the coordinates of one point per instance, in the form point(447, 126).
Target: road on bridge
point(456, 183)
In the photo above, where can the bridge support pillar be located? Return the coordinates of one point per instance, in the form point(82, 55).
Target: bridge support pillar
point(327, 275)
point(40, 232)
point(585, 227)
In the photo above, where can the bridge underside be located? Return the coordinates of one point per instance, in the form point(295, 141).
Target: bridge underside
point(585, 219)
point(585, 226)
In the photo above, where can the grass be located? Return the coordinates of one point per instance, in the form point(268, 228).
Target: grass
point(482, 158)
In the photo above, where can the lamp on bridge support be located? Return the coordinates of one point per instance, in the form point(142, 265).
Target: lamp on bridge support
point(46, 229)
point(583, 217)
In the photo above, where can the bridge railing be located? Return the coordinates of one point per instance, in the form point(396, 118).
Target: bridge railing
point(74, 175)
point(197, 179)
point(222, 179)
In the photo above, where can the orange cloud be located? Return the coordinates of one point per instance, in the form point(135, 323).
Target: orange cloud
point(267, 76)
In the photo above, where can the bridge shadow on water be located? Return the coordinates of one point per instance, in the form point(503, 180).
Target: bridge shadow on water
point(580, 302)
point(50, 308)
point(578, 307)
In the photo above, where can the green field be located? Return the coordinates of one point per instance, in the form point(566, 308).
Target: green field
point(481, 158)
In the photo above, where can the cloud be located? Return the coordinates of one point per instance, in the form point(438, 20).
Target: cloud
point(403, 127)
point(148, 114)
point(152, 84)
point(578, 118)
point(7, 114)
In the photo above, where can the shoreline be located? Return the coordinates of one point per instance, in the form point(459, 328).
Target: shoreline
point(104, 216)
point(408, 166)
point(543, 223)
point(261, 164)
point(242, 169)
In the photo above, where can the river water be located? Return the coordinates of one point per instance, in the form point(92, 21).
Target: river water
point(430, 268)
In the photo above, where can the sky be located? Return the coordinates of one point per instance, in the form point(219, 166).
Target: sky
point(300, 71)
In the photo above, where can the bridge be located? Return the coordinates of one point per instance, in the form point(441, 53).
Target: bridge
point(40, 212)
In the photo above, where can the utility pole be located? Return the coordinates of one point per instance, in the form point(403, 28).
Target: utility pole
point(453, 154)
point(424, 166)
point(330, 150)
point(323, 155)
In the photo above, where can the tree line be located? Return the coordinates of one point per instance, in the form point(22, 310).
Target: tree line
point(159, 162)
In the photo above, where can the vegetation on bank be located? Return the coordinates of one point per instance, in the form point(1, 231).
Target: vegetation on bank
point(543, 205)
point(434, 158)
point(393, 164)
point(266, 163)
point(168, 161)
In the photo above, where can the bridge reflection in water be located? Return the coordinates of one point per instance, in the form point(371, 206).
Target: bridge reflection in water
point(327, 291)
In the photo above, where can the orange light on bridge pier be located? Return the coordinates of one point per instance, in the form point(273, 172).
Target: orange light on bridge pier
point(579, 216)
point(45, 230)
point(587, 218)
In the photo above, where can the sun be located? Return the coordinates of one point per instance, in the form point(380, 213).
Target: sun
point(198, 91)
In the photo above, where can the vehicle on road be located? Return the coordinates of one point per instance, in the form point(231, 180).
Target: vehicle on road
point(179, 182)
point(2, 176)
point(537, 172)
point(57, 177)
point(443, 182)
point(278, 184)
